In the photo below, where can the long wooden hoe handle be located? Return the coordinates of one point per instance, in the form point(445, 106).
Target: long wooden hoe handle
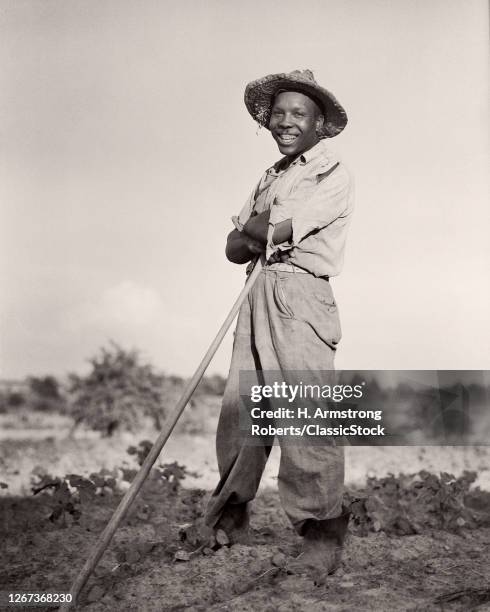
point(132, 492)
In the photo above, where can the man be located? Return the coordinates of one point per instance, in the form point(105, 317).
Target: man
point(298, 216)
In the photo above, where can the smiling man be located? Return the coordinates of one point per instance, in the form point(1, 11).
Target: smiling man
point(295, 122)
point(297, 215)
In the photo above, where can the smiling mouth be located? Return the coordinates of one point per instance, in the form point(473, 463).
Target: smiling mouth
point(286, 139)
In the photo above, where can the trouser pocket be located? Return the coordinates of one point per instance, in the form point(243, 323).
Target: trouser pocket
point(309, 299)
point(281, 299)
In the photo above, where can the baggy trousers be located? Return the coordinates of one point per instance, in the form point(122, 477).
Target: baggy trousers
point(288, 322)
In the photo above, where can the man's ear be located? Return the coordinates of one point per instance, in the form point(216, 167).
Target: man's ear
point(320, 120)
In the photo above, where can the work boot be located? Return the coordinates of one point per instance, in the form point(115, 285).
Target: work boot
point(234, 521)
point(322, 547)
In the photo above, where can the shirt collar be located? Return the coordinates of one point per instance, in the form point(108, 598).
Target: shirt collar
point(305, 158)
point(313, 153)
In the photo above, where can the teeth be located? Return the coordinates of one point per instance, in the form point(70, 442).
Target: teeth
point(288, 138)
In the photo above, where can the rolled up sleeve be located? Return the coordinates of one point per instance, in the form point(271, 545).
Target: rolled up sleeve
point(245, 213)
point(311, 208)
point(280, 211)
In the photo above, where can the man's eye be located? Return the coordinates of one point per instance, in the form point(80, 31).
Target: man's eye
point(299, 114)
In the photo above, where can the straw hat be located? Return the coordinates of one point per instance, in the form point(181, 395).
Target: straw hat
point(260, 94)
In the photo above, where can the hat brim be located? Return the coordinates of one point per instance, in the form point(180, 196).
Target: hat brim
point(260, 94)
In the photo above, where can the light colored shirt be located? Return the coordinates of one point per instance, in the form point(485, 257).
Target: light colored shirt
point(316, 192)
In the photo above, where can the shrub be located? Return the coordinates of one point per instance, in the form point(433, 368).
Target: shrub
point(45, 394)
point(117, 392)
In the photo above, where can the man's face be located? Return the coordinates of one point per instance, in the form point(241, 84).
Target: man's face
point(293, 123)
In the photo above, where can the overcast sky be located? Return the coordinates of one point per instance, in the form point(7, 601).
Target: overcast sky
point(126, 148)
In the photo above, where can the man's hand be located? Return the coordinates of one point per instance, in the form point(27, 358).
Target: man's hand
point(241, 248)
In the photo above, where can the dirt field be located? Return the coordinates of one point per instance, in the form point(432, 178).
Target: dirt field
point(29, 441)
point(42, 547)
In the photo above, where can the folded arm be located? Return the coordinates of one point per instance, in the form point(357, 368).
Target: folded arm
point(257, 227)
point(242, 246)
point(307, 212)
